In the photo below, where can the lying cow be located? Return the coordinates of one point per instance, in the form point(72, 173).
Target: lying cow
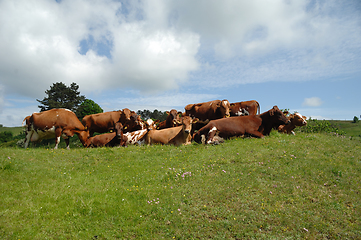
point(169, 122)
point(138, 137)
point(54, 123)
point(106, 140)
point(244, 108)
point(297, 120)
point(176, 135)
point(254, 125)
point(208, 110)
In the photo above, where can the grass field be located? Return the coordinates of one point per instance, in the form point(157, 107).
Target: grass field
point(280, 187)
point(351, 129)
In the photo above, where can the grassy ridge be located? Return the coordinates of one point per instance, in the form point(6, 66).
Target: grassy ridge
point(283, 186)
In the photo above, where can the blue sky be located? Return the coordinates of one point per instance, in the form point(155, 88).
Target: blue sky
point(165, 54)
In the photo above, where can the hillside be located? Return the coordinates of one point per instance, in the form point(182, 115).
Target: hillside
point(283, 186)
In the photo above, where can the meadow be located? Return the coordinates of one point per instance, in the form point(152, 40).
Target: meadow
point(305, 186)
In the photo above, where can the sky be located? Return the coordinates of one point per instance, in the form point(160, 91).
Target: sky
point(301, 55)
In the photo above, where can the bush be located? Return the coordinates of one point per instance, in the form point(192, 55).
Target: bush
point(6, 136)
point(319, 126)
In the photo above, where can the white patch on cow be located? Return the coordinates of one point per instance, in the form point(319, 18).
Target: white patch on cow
point(135, 137)
point(41, 134)
point(213, 129)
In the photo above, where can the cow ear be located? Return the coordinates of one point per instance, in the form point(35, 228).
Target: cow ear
point(167, 112)
point(195, 120)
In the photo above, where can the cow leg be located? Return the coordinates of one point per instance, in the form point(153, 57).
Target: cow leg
point(57, 137)
point(256, 134)
point(27, 138)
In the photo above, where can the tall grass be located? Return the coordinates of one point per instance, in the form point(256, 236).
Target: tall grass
point(283, 186)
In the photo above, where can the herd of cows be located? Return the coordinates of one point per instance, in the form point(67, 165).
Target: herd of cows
point(206, 123)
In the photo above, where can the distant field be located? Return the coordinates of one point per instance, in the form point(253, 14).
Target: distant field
point(14, 130)
point(351, 129)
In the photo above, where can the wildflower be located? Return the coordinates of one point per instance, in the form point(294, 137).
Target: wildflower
point(9, 158)
point(270, 192)
point(305, 229)
point(224, 171)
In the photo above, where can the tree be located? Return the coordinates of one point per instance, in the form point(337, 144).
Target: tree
point(355, 119)
point(61, 96)
point(88, 107)
point(146, 114)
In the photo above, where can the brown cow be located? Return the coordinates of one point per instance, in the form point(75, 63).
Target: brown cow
point(208, 110)
point(297, 120)
point(254, 125)
point(245, 108)
point(169, 122)
point(106, 140)
point(111, 121)
point(176, 135)
point(53, 124)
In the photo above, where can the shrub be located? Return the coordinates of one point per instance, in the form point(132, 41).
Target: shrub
point(319, 126)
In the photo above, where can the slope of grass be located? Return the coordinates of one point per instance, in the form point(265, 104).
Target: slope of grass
point(351, 129)
point(283, 186)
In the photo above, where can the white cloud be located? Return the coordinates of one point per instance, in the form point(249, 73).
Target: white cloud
point(312, 102)
point(41, 40)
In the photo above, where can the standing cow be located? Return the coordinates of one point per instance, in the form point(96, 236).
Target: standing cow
point(54, 123)
point(245, 108)
point(208, 110)
point(254, 125)
point(112, 121)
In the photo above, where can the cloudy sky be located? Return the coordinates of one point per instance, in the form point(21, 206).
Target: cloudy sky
point(165, 54)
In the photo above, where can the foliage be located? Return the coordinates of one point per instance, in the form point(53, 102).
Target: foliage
point(88, 107)
point(61, 96)
point(6, 136)
point(283, 186)
point(319, 126)
point(355, 119)
point(146, 114)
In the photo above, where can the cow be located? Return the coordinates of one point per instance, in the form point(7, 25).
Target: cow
point(254, 125)
point(245, 108)
point(297, 120)
point(169, 122)
point(112, 121)
point(175, 135)
point(138, 137)
point(54, 123)
point(106, 140)
point(208, 110)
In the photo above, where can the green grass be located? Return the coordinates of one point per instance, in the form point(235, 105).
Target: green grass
point(283, 186)
point(14, 130)
point(351, 129)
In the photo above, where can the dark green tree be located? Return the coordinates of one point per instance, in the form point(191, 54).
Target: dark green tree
point(61, 96)
point(146, 114)
point(88, 107)
point(355, 119)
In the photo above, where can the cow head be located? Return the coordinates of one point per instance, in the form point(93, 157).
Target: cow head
point(224, 108)
point(278, 115)
point(186, 122)
point(298, 120)
point(119, 130)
